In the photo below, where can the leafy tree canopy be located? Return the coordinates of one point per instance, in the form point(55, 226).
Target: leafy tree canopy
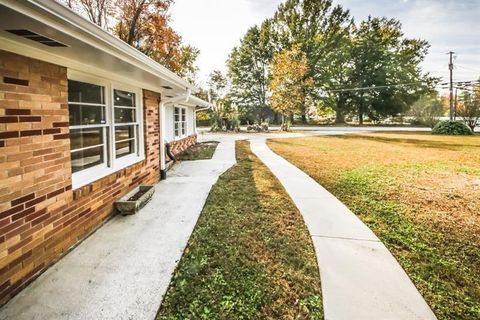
point(290, 82)
point(143, 24)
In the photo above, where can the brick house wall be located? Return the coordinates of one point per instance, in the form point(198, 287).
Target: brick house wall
point(178, 146)
point(41, 217)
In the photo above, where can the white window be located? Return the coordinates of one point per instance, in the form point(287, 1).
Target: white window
point(180, 122)
point(105, 128)
point(125, 122)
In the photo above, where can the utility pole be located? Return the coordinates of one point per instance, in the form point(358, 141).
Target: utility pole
point(450, 66)
point(456, 104)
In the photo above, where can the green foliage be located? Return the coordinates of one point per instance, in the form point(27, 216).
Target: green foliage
point(427, 110)
point(381, 56)
point(469, 108)
point(452, 128)
point(339, 54)
point(289, 82)
point(248, 70)
point(199, 151)
point(224, 117)
point(323, 32)
point(262, 127)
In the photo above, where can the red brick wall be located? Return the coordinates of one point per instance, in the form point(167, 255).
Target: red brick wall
point(179, 146)
point(41, 217)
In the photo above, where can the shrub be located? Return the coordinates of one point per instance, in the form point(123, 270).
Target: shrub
point(263, 127)
point(452, 128)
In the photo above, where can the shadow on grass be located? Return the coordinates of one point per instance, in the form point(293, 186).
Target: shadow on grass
point(250, 255)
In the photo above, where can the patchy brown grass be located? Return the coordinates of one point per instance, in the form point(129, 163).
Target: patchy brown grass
point(420, 194)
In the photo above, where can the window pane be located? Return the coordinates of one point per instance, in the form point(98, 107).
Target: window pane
point(85, 92)
point(83, 138)
point(124, 115)
point(83, 115)
point(177, 132)
point(184, 128)
point(177, 111)
point(84, 159)
point(124, 98)
point(124, 132)
point(183, 115)
point(124, 148)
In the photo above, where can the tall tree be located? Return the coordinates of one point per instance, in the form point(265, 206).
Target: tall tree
point(289, 83)
point(143, 24)
point(469, 109)
point(97, 11)
point(318, 27)
point(428, 109)
point(218, 85)
point(382, 56)
point(248, 70)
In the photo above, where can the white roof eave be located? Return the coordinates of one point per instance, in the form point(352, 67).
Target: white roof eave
point(95, 36)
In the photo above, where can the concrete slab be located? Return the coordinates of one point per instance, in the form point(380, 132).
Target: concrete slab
point(329, 217)
point(360, 278)
point(123, 270)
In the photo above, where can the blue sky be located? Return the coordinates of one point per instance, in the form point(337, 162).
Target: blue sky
point(216, 26)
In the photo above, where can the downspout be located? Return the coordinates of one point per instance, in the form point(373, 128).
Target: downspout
point(161, 115)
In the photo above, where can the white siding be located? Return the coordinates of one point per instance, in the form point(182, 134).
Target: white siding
point(190, 121)
point(169, 121)
point(169, 134)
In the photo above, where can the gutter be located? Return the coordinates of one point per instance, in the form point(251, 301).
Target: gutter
point(90, 33)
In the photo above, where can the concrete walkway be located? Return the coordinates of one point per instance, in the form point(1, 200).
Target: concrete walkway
point(360, 278)
point(123, 270)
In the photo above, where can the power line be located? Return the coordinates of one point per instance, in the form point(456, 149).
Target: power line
point(375, 87)
point(468, 68)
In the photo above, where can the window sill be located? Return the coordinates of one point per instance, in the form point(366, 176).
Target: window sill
point(88, 176)
point(180, 138)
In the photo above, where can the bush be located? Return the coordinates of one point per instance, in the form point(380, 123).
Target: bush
point(263, 127)
point(452, 128)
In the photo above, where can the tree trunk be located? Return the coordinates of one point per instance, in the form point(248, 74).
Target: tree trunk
point(360, 118)
point(339, 117)
point(304, 117)
point(340, 109)
point(283, 126)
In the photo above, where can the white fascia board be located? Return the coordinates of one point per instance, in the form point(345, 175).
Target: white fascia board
point(93, 35)
point(193, 101)
point(72, 65)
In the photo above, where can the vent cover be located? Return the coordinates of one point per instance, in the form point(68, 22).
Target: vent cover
point(36, 37)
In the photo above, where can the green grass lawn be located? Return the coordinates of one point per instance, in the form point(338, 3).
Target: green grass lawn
point(250, 255)
point(420, 194)
point(199, 151)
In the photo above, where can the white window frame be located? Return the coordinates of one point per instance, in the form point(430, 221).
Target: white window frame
point(111, 164)
point(182, 124)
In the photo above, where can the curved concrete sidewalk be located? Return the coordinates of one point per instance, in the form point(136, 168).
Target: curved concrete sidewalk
point(360, 277)
point(123, 270)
